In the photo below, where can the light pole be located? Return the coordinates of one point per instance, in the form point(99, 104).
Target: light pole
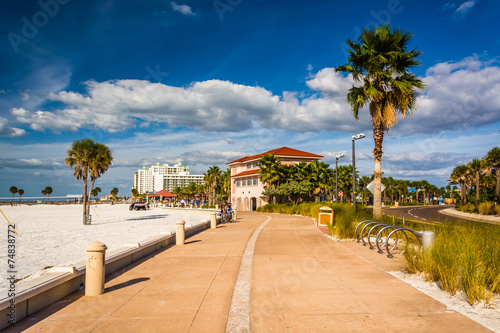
point(336, 173)
point(354, 138)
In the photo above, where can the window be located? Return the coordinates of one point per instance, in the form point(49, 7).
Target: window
point(249, 182)
point(249, 165)
point(255, 181)
point(238, 183)
point(255, 164)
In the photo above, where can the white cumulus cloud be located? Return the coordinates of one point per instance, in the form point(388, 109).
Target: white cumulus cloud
point(459, 96)
point(8, 131)
point(465, 7)
point(183, 9)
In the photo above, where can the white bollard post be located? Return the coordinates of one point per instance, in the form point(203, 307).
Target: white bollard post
point(213, 220)
point(95, 269)
point(428, 240)
point(179, 232)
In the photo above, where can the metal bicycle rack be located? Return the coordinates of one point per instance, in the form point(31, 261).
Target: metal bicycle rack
point(376, 240)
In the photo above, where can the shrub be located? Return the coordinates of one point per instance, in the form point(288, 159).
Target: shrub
point(487, 208)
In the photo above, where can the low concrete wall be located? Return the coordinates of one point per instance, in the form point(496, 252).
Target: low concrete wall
point(190, 210)
point(59, 282)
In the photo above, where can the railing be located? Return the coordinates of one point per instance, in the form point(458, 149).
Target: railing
point(380, 236)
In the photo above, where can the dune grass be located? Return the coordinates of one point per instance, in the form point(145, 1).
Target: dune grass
point(466, 256)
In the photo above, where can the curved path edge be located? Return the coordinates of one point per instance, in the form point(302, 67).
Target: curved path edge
point(239, 311)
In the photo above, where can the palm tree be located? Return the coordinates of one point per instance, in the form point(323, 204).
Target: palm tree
point(381, 61)
point(226, 184)
point(475, 167)
point(459, 176)
point(95, 192)
point(44, 192)
point(48, 190)
point(100, 162)
point(135, 192)
point(13, 190)
point(80, 157)
point(492, 159)
point(98, 190)
point(114, 192)
point(20, 192)
point(364, 181)
point(212, 181)
point(269, 170)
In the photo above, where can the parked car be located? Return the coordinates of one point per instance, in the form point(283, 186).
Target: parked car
point(139, 205)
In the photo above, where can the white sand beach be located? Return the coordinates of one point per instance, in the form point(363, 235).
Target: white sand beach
point(53, 235)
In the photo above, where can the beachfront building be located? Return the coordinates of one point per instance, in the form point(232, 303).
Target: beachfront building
point(164, 177)
point(246, 187)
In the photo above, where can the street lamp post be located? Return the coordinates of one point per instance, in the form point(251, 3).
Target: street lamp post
point(354, 138)
point(336, 173)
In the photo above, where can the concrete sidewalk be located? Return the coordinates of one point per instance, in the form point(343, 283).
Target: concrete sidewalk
point(302, 282)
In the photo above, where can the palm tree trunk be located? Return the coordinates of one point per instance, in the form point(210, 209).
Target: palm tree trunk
point(90, 196)
point(477, 188)
point(378, 137)
point(84, 198)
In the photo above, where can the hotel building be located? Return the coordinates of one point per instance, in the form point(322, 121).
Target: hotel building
point(246, 186)
point(164, 177)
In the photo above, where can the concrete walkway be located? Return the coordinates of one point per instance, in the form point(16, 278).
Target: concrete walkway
point(302, 281)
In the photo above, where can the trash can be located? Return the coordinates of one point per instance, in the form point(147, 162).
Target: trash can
point(325, 216)
point(87, 219)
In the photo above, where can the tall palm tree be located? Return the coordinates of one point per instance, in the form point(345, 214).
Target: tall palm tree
point(226, 184)
point(99, 163)
point(44, 192)
point(48, 190)
point(492, 160)
point(474, 168)
point(80, 157)
point(381, 62)
point(20, 192)
point(13, 190)
point(459, 176)
point(212, 181)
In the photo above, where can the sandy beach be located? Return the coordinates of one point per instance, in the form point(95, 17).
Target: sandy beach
point(53, 235)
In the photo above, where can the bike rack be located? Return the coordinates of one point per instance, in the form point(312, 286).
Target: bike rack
point(378, 242)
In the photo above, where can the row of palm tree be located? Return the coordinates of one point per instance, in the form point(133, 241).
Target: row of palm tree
point(15, 190)
point(295, 182)
point(89, 159)
point(318, 178)
point(478, 172)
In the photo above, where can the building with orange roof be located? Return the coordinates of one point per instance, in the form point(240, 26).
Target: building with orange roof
point(246, 187)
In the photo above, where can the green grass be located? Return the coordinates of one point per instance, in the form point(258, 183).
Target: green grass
point(466, 256)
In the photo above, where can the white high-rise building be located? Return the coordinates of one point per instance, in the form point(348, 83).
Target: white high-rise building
point(164, 177)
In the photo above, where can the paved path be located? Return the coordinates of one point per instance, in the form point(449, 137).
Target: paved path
point(302, 281)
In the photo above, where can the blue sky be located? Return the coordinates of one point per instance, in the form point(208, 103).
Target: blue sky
point(206, 82)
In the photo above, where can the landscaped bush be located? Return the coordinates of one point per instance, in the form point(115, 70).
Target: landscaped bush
point(465, 257)
point(487, 208)
point(467, 208)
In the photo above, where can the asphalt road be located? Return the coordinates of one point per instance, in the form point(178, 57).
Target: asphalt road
point(421, 213)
